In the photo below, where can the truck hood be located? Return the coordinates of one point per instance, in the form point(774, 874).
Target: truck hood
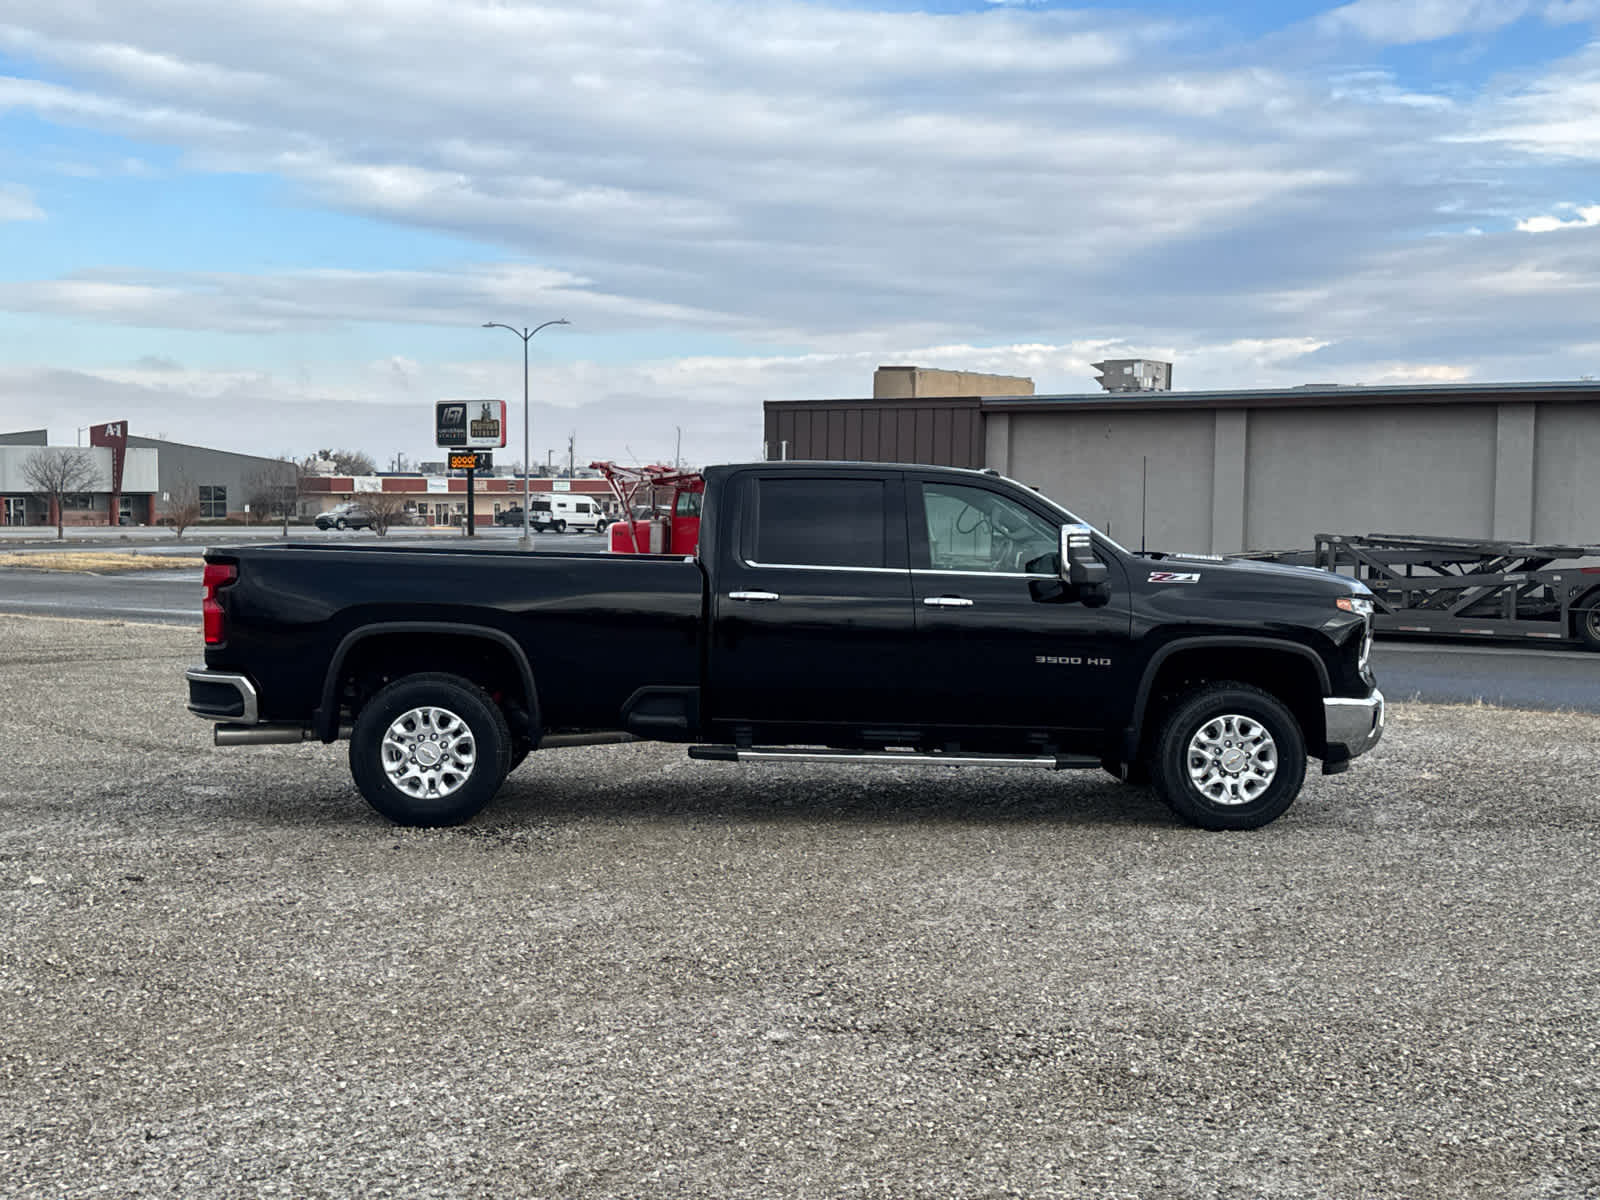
point(1245, 572)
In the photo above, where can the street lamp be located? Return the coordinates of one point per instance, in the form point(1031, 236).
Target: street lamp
point(526, 542)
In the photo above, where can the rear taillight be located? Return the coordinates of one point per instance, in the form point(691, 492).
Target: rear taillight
point(217, 576)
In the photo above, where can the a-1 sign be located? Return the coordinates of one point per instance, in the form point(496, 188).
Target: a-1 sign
point(465, 424)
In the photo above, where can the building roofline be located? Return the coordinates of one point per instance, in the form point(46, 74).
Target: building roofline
point(1309, 396)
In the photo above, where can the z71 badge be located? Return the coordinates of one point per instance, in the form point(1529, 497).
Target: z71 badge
point(1174, 577)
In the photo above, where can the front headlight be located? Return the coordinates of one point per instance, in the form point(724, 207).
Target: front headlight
point(1362, 607)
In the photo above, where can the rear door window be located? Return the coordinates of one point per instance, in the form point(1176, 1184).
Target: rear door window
point(821, 523)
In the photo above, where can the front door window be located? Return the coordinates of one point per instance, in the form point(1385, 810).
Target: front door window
point(973, 529)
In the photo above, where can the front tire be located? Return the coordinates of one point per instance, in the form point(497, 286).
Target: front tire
point(1229, 756)
point(340, 523)
point(430, 749)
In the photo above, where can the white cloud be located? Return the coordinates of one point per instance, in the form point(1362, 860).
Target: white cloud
point(16, 204)
point(1586, 216)
point(1402, 22)
point(296, 301)
point(1566, 12)
point(685, 155)
point(1555, 115)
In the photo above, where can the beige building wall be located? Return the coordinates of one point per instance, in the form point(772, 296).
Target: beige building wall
point(1222, 480)
point(1222, 472)
point(911, 383)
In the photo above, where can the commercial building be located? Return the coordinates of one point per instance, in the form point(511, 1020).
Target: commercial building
point(1266, 469)
point(117, 486)
point(441, 499)
point(136, 478)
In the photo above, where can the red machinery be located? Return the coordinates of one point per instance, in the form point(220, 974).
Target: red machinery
point(672, 497)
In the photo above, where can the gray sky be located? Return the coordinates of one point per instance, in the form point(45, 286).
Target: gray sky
point(280, 225)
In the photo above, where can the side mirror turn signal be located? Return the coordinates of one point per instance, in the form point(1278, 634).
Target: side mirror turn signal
point(1081, 567)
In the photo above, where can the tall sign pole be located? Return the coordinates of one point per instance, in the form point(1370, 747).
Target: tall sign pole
point(471, 461)
point(527, 537)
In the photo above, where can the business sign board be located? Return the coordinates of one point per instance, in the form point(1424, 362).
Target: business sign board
point(471, 460)
point(469, 424)
point(114, 436)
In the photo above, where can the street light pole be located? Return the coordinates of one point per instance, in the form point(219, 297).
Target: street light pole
point(526, 542)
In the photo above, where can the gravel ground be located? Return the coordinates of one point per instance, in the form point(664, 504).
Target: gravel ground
point(637, 976)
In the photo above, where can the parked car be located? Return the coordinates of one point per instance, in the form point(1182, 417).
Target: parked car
point(345, 516)
point(832, 612)
point(558, 514)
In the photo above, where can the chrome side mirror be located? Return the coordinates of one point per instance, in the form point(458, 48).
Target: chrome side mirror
point(1081, 568)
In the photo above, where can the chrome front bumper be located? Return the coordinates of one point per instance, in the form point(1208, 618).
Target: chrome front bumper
point(1353, 727)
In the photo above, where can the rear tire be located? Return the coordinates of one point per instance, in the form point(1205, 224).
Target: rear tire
point(1229, 756)
point(561, 526)
point(340, 523)
point(430, 749)
point(1586, 620)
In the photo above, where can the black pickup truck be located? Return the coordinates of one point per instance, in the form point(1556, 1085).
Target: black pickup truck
point(837, 612)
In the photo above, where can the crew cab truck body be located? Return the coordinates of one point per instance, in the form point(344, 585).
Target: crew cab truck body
point(856, 612)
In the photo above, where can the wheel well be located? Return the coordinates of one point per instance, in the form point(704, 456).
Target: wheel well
point(1292, 678)
point(379, 660)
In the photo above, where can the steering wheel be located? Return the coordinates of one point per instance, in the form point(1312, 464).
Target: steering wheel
point(971, 520)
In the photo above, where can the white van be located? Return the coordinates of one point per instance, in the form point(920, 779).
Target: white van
point(561, 513)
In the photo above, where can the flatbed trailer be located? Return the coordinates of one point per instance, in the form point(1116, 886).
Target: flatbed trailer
point(1465, 587)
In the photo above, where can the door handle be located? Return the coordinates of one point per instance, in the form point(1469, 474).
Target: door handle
point(753, 596)
point(947, 602)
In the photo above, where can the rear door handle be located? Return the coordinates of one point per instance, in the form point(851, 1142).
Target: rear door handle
point(759, 596)
point(947, 602)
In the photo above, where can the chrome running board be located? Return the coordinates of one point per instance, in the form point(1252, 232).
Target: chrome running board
point(894, 758)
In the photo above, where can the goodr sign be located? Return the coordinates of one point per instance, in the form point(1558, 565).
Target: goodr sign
point(469, 424)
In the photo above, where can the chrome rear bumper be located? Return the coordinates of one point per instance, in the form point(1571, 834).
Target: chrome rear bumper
point(222, 696)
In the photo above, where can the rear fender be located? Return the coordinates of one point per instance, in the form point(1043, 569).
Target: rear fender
point(326, 718)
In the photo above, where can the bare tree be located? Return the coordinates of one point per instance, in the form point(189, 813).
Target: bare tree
point(183, 505)
point(56, 474)
point(347, 462)
point(274, 491)
point(385, 507)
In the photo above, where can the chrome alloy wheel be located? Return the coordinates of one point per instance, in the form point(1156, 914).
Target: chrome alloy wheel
point(1232, 759)
point(429, 752)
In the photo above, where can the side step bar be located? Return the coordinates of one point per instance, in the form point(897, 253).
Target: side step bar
point(897, 758)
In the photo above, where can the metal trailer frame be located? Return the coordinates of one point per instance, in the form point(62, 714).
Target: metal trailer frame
point(1462, 586)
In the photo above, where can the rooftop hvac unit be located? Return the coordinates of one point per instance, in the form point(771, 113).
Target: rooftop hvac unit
point(1134, 375)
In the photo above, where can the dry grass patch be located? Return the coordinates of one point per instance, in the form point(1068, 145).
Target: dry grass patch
point(90, 561)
